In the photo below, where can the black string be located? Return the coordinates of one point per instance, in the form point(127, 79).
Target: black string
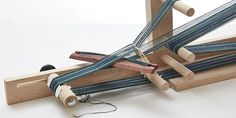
point(87, 99)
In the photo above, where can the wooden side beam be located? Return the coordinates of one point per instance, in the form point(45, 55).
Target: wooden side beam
point(165, 25)
point(39, 89)
point(204, 78)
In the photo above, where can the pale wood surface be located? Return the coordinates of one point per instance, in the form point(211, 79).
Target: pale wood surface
point(186, 54)
point(183, 8)
point(165, 25)
point(63, 92)
point(204, 78)
point(181, 69)
point(155, 78)
point(67, 96)
point(39, 90)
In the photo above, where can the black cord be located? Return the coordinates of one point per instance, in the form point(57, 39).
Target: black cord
point(87, 99)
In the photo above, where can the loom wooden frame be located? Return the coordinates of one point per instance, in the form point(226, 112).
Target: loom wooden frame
point(14, 94)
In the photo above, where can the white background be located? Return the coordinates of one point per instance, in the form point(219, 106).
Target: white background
point(87, 11)
point(37, 32)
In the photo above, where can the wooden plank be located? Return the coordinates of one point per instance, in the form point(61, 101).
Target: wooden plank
point(15, 94)
point(165, 25)
point(204, 78)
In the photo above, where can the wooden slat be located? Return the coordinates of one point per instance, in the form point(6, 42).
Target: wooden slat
point(15, 94)
point(204, 78)
point(165, 25)
point(125, 64)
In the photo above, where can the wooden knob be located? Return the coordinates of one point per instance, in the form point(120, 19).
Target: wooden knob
point(158, 81)
point(186, 54)
point(181, 69)
point(68, 98)
point(63, 92)
point(183, 8)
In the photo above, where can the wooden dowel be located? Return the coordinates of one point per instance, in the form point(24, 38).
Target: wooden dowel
point(155, 78)
point(158, 81)
point(68, 98)
point(64, 92)
point(183, 8)
point(181, 69)
point(186, 54)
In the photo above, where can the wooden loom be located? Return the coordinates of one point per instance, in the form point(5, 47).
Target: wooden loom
point(34, 86)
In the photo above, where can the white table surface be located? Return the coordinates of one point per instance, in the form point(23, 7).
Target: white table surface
point(25, 48)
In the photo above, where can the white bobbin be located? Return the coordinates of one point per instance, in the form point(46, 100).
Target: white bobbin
point(63, 92)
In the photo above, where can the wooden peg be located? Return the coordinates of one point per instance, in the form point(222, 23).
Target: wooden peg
point(154, 78)
point(181, 69)
point(183, 8)
point(68, 98)
point(64, 92)
point(186, 54)
point(158, 81)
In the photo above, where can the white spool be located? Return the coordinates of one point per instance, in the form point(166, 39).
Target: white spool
point(63, 92)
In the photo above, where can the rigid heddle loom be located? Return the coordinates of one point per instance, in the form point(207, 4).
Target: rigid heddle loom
point(159, 55)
